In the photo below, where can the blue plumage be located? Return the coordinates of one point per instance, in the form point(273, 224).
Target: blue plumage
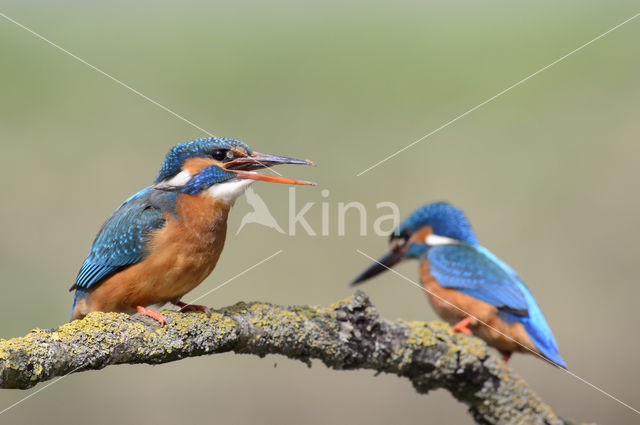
point(537, 328)
point(195, 148)
point(172, 231)
point(206, 178)
point(475, 271)
point(465, 268)
point(444, 219)
point(122, 239)
point(456, 261)
point(534, 323)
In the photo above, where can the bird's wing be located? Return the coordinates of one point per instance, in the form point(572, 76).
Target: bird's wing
point(476, 272)
point(123, 237)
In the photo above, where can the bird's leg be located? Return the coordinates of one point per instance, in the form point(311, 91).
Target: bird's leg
point(505, 356)
point(461, 326)
point(152, 313)
point(191, 307)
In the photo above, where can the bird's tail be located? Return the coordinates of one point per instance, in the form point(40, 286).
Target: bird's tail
point(79, 295)
point(545, 342)
point(540, 333)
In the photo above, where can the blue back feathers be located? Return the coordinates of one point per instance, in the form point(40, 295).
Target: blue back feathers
point(466, 268)
point(122, 239)
point(196, 148)
point(473, 270)
point(443, 218)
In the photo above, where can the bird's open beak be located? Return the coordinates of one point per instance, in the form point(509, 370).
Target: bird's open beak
point(387, 261)
point(243, 166)
point(268, 178)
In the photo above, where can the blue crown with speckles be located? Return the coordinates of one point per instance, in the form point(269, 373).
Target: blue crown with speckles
point(445, 220)
point(172, 164)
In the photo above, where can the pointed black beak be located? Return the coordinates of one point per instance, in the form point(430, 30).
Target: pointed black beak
point(258, 160)
point(387, 261)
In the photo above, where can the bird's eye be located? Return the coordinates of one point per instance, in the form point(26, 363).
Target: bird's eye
point(219, 154)
point(403, 237)
point(397, 243)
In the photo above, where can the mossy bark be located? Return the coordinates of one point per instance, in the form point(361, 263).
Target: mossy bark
point(347, 335)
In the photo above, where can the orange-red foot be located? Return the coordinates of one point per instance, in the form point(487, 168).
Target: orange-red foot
point(506, 357)
point(152, 313)
point(192, 307)
point(461, 326)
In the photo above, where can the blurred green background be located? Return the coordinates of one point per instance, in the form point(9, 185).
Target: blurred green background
point(548, 174)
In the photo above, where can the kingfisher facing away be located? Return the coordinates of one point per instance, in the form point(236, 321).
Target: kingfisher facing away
point(166, 239)
point(467, 285)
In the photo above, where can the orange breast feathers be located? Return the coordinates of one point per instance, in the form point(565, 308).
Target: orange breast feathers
point(442, 298)
point(181, 255)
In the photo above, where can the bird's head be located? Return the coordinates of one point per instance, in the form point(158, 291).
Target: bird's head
point(432, 224)
point(223, 166)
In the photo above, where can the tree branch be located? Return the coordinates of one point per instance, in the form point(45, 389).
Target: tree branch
point(347, 335)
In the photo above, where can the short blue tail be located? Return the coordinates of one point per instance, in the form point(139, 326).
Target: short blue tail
point(535, 324)
point(538, 329)
point(77, 296)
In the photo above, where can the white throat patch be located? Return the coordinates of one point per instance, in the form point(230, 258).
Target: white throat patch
point(229, 191)
point(440, 240)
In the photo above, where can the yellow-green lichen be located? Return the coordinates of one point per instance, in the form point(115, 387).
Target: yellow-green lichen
point(340, 304)
point(236, 309)
point(421, 333)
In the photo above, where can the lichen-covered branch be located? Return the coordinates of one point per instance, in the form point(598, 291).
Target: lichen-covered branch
point(347, 335)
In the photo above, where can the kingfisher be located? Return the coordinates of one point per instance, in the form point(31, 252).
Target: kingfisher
point(166, 239)
point(467, 285)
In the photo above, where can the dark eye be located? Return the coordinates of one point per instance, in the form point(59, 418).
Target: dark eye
point(219, 154)
point(402, 236)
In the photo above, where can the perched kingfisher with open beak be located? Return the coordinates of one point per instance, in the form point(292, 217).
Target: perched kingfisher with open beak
point(467, 285)
point(166, 239)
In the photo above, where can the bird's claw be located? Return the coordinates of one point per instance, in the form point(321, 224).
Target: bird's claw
point(462, 326)
point(184, 307)
point(152, 313)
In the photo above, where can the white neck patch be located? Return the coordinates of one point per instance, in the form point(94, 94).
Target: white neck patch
point(440, 240)
point(228, 191)
point(179, 180)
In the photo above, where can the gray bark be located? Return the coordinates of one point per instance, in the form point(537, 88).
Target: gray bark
point(347, 335)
